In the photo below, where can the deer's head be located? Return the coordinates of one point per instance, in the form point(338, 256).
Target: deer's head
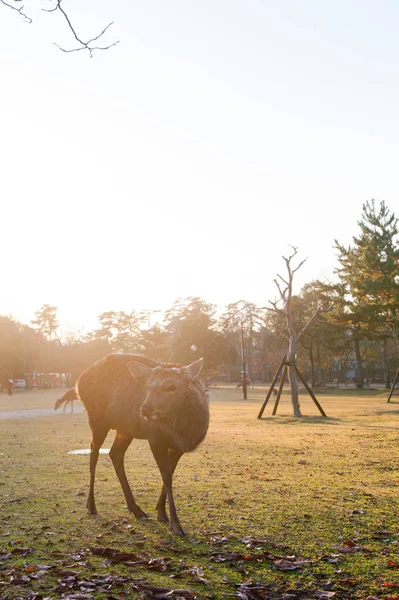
point(164, 387)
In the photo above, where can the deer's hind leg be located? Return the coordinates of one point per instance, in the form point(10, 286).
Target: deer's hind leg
point(99, 435)
point(117, 455)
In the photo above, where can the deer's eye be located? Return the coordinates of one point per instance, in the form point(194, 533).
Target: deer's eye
point(171, 388)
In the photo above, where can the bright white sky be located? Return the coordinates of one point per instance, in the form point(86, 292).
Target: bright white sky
point(185, 160)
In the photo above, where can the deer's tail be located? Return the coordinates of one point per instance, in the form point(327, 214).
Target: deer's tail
point(68, 397)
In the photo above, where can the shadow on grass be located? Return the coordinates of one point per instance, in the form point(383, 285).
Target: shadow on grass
point(387, 412)
point(288, 420)
point(337, 392)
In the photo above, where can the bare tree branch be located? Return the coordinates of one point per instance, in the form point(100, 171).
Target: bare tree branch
point(321, 309)
point(283, 293)
point(275, 308)
point(288, 259)
point(19, 10)
point(283, 280)
point(300, 265)
point(84, 45)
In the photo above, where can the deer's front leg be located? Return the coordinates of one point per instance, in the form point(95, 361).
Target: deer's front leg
point(166, 468)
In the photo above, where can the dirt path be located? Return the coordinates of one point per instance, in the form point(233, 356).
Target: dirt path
point(38, 412)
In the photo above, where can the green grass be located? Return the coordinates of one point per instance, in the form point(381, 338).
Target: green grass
point(322, 490)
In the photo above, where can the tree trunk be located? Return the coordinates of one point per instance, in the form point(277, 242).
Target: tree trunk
point(243, 366)
point(249, 352)
point(387, 380)
point(312, 370)
point(344, 368)
point(293, 379)
point(263, 375)
point(359, 364)
point(319, 370)
point(263, 357)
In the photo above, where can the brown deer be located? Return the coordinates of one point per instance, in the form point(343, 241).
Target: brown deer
point(67, 398)
point(144, 399)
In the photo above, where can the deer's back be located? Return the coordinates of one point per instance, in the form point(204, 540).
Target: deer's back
point(111, 396)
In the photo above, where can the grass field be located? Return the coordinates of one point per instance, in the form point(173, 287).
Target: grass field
point(273, 508)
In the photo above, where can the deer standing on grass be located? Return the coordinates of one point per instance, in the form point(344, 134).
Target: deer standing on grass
point(144, 399)
point(66, 399)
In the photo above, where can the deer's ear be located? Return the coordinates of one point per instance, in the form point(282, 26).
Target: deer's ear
point(192, 371)
point(138, 370)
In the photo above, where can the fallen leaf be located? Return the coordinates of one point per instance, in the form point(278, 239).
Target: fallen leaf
point(348, 581)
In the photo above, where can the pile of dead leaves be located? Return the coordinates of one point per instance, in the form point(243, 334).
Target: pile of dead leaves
point(64, 579)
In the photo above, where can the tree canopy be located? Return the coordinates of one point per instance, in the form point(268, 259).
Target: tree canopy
point(369, 278)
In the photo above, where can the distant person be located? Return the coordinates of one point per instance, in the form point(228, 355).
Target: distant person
point(10, 387)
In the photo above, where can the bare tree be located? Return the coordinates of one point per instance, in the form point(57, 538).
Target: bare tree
point(90, 45)
point(283, 307)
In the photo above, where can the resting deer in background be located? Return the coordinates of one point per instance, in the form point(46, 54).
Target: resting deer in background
point(141, 398)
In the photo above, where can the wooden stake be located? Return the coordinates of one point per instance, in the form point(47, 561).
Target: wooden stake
point(280, 389)
point(273, 383)
point(395, 380)
point(311, 394)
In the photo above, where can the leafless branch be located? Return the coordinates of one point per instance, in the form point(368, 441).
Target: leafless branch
point(283, 280)
point(323, 308)
point(83, 45)
point(18, 10)
point(299, 266)
point(283, 293)
point(274, 308)
point(288, 259)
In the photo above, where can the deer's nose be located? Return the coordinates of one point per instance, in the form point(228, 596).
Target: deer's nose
point(145, 411)
point(149, 412)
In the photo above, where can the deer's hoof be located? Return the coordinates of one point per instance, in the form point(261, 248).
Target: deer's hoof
point(163, 518)
point(143, 517)
point(177, 530)
point(91, 506)
point(140, 515)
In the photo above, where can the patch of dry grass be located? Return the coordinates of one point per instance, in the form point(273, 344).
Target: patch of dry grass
point(322, 489)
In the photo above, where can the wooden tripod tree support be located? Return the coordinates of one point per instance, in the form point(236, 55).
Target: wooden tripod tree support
point(394, 382)
point(283, 367)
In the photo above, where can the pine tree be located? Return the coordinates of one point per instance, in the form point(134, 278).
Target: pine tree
point(369, 276)
point(46, 322)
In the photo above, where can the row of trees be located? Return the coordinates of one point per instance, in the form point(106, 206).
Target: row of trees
point(335, 329)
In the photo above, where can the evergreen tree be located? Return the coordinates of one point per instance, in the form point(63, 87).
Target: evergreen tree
point(107, 329)
point(46, 322)
point(192, 335)
point(128, 333)
point(369, 276)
